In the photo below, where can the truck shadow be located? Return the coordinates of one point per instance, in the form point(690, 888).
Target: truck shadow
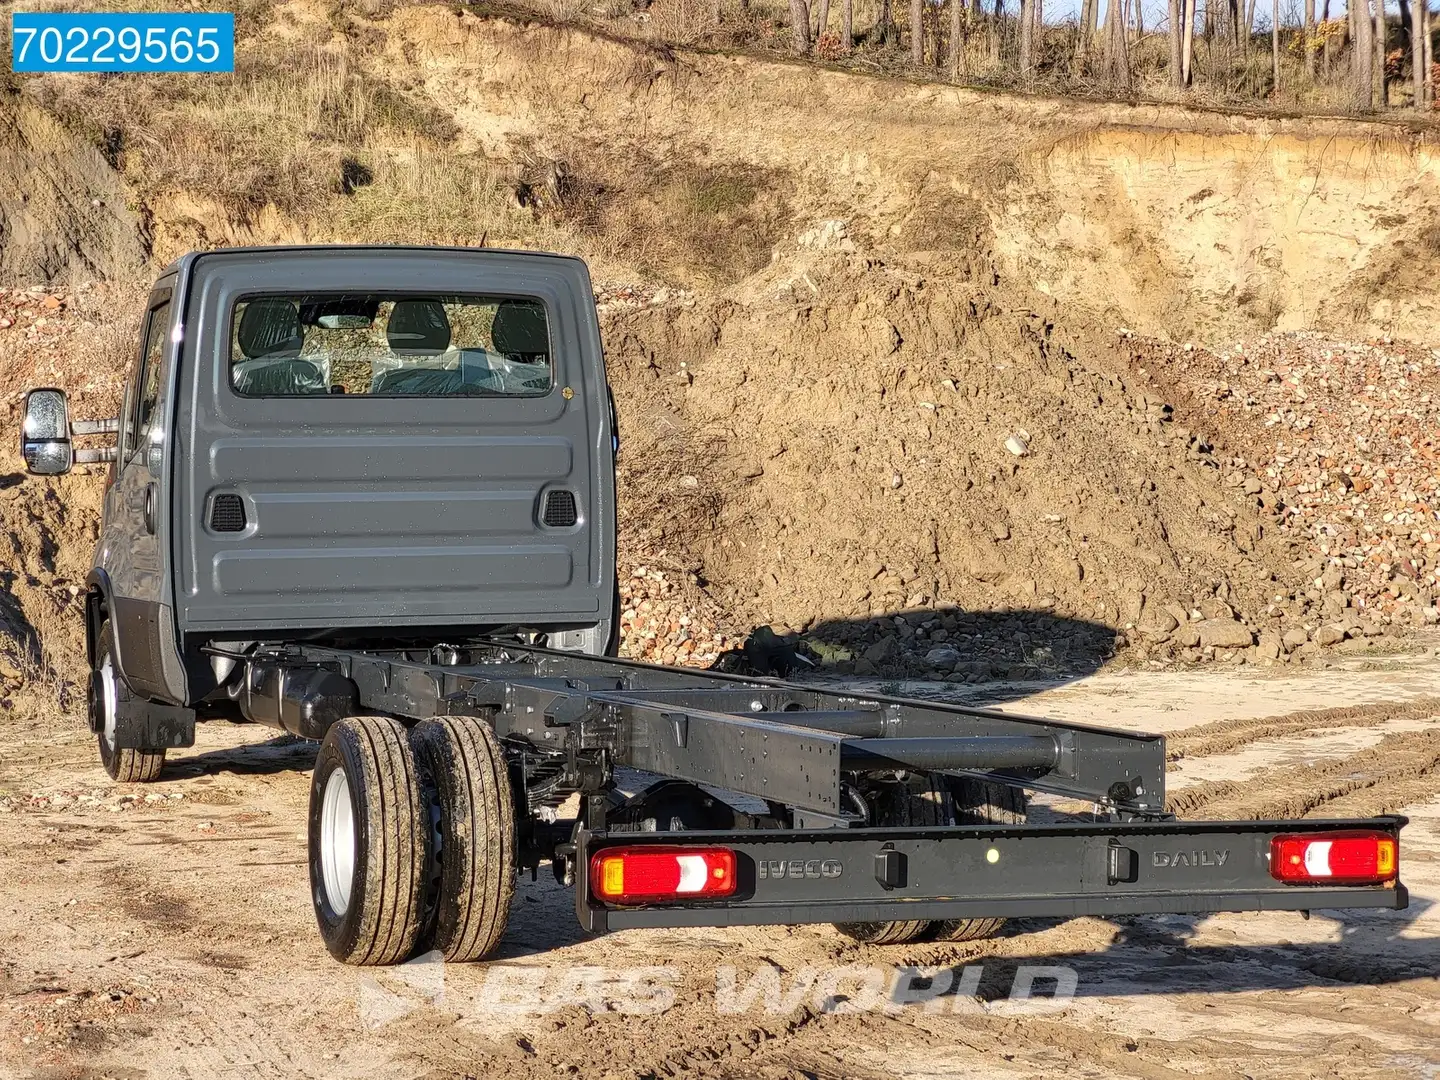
point(969, 657)
point(1157, 954)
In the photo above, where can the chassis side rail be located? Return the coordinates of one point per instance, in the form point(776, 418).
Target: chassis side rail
point(1065, 870)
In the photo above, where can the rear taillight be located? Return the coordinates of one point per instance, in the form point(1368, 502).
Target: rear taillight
point(1335, 858)
point(658, 874)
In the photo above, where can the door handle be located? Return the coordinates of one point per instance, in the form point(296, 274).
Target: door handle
point(150, 507)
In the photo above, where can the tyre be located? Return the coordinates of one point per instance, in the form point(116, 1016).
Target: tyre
point(919, 800)
point(980, 802)
point(108, 691)
point(367, 846)
point(464, 768)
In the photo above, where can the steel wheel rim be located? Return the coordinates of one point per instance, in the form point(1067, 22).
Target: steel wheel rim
point(109, 700)
point(337, 841)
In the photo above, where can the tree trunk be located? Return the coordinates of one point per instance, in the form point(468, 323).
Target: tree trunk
point(917, 32)
point(1325, 18)
point(822, 22)
point(1082, 38)
point(1425, 36)
point(1380, 36)
point(1027, 28)
point(1139, 20)
point(847, 27)
point(1310, 38)
point(1275, 45)
point(1117, 52)
point(1362, 57)
point(1188, 48)
point(1249, 25)
point(1177, 77)
point(956, 7)
point(800, 22)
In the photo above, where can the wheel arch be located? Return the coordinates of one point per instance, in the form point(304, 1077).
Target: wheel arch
point(97, 610)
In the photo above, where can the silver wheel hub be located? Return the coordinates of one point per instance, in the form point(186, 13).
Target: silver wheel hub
point(337, 841)
point(109, 700)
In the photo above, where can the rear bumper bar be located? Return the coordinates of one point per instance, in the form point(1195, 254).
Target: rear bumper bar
point(1064, 870)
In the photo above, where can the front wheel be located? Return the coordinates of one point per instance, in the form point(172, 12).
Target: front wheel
point(108, 692)
point(367, 846)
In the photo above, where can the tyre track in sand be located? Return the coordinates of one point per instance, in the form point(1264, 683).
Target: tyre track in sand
point(1223, 736)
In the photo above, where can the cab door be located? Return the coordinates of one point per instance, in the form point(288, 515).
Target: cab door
point(136, 536)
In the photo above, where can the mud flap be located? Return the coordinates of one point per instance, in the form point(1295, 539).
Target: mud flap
point(147, 725)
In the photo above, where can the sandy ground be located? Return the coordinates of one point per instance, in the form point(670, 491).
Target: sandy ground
point(166, 931)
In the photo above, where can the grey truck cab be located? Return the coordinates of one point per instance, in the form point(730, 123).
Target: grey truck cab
point(366, 496)
point(341, 444)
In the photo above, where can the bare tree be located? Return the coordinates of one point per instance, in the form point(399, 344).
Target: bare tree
point(800, 23)
point(1362, 57)
point(957, 7)
point(1310, 37)
point(1429, 41)
point(917, 31)
point(1027, 35)
point(1176, 34)
point(1082, 38)
point(847, 26)
point(1117, 51)
point(1380, 36)
point(1188, 51)
point(1275, 45)
point(822, 22)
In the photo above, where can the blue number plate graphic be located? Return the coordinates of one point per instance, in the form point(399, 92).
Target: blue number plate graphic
point(122, 41)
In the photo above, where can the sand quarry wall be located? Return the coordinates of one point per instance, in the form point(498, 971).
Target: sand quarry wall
point(824, 439)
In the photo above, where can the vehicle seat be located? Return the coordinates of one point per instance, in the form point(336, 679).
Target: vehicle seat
point(519, 332)
point(418, 328)
point(270, 337)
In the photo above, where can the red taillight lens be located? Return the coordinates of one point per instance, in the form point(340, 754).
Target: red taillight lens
point(653, 874)
point(1339, 858)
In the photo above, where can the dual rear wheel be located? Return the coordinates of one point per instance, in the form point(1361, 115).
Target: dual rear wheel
point(411, 839)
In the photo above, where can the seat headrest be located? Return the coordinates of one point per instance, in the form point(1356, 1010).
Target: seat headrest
point(270, 328)
point(519, 329)
point(418, 328)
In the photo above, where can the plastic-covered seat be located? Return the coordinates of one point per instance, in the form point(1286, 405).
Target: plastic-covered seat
point(270, 338)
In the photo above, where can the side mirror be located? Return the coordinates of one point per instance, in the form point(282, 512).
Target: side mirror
point(45, 433)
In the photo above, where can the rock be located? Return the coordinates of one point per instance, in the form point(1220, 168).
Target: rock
point(883, 651)
point(1018, 444)
point(1224, 633)
point(1214, 608)
point(1001, 531)
point(865, 667)
point(1332, 578)
point(944, 658)
point(1330, 634)
point(1293, 639)
point(1177, 612)
point(1188, 636)
point(1253, 486)
point(1155, 621)
point(1268, 648)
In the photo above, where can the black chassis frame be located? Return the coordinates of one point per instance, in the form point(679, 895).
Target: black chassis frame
point(568, 720)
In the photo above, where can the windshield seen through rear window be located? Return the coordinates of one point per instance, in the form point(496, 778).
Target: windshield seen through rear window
point(292, 345)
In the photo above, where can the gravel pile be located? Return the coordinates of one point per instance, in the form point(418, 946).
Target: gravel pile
point(1340, 442)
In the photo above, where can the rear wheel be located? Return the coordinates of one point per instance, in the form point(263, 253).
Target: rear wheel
point(108, 691)
point(463, 765)
point(920, 799)
point(367, 847)
point(981, 802)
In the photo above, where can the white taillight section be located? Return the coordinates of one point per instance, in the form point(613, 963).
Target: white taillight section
point(658, 874)
point(1352, 858)
point(1317, 859)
